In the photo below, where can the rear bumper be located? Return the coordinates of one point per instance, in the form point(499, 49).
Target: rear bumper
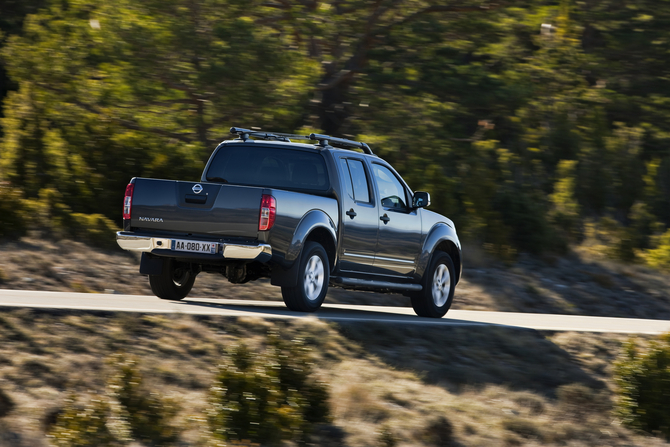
point(162, 246)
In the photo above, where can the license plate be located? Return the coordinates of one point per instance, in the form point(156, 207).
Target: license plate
point(194, 246)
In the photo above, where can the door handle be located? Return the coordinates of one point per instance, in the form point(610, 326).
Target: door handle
point(385, 218)
point(351, 213)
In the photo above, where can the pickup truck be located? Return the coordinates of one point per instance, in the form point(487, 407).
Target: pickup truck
point(306, 215)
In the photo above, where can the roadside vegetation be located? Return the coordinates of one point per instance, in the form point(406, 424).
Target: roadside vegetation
point(179, 379)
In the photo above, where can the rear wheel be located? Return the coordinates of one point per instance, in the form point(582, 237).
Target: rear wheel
point(174, 283)
point(313, 277)
point(439, 281)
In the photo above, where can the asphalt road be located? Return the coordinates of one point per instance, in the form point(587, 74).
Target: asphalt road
point(333, 312)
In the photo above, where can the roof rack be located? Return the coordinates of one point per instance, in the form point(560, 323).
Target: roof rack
point(327, 140)
point(244, 134)
point(324, 140)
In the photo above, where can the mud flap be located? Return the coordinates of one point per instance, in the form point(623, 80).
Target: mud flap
point(285, 277)
point(151, 265)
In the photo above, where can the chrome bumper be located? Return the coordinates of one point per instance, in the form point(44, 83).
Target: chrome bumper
point(225, 250)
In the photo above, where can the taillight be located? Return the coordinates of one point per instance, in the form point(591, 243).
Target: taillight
point(268, 212)
point(128, 201)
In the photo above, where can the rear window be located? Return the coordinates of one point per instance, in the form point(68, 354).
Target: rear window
point(269, 167)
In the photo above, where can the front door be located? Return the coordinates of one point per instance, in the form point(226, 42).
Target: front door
point(359, 221)
point(399, 239)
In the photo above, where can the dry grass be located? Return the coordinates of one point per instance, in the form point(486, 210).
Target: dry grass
point(418, 387)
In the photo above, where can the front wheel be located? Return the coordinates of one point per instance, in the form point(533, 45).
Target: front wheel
point(313, 277)
point(438, 282)
point(174, 283)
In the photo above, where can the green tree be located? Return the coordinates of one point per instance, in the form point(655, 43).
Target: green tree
point(112, 90)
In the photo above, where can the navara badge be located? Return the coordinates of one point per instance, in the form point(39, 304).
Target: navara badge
point(197, 188)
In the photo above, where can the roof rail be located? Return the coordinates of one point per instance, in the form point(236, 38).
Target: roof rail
point(244, 134)
point(324, 140)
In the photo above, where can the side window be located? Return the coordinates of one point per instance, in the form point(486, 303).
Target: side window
point(347, 177)
point(391, 191)
point(361, 191)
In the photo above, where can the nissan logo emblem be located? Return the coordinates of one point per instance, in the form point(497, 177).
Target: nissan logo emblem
point(197, 188)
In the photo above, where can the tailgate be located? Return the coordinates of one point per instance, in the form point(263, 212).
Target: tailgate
point(198, 208)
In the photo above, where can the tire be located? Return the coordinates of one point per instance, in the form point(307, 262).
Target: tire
point(438, 283)
point(174, 283)
point(313, 278)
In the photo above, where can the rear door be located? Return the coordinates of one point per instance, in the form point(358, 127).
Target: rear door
point(359, 220)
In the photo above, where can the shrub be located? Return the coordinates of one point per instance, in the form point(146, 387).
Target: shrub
point(659, 257)
point(6, 404)
point(439, 432)
point(78, 426)
point(149, 416)
point(13, 217)
point(127, 412)
point(643, 379)
point(95, 229)
point(266, 399)
point(290, 363)
point(387, 438)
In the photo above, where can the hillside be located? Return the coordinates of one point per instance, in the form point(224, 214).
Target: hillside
point(493, 385)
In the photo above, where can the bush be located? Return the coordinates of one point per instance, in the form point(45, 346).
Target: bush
point(86, 426)
point(266, 399)
point(149, 416)
point(128, 412)
point(13, 216)
point(438, 432)
point(643, 379)
point(95, 229)
point(386, 438)
point(6, 404)
point(659, 257)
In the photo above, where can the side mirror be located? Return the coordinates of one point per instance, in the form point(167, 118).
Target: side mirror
point(421, 199)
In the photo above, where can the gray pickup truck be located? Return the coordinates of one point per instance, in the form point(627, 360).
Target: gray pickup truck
point(306, 215)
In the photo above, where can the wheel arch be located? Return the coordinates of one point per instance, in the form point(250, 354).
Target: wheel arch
point(441, 237)
point(315, 226)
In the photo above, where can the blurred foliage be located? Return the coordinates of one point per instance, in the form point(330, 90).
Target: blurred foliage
point(12, 212)
point(386, 437)
point(660, 256)
point(128, 412)
point(149, 417)
point(6, 403)
point(643, 379)
point(83, 426)
point(438, 432)
point(269, 398)
point(534, 126)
